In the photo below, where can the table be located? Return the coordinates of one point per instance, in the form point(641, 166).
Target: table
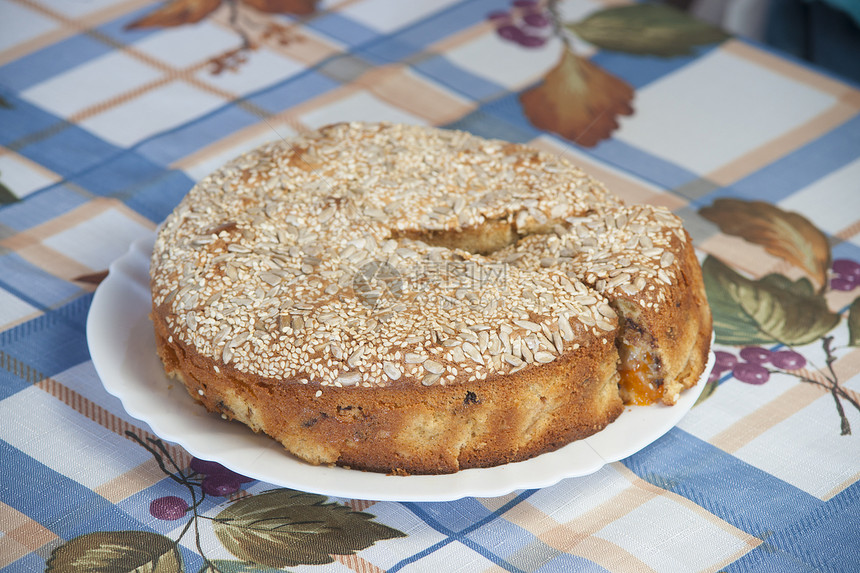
point(111, 109)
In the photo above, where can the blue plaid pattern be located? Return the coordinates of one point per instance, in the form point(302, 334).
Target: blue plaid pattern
point(87, 176)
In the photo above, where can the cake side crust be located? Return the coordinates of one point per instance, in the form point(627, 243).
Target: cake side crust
point(419, 430)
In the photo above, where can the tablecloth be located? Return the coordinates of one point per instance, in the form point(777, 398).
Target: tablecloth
point(110, 110)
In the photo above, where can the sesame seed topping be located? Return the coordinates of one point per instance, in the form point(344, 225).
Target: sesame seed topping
point(294, 272)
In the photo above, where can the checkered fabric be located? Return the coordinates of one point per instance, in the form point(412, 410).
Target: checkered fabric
point(104, 127)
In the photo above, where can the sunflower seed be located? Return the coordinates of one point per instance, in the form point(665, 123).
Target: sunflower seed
point(468, 336)
point(495, 346)
point(327, 214)
point(433, 367)
point(505, 337)
point(565, 328)
point(543, 357)
point(527, 324)
point(472, 352)
point(544, 328)
point(483, 341)
point(667, 259)
point(225, 330)
point(271, 278)
point(545, 341)
point(618, 280)
point(430, 379)
point(348, 378)
point(414, 358)
point(528, 356)
point(391, 370)
point(355, 357)
point(606, 310)
point(558, 342)
point(538, 216)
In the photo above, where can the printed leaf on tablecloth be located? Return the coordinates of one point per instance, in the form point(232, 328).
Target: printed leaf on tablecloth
point(117, 551)
point(283, 6)
point(800, 287)
point(709, 389)
point(284, 528)
point(782, 234)
point(578, 100)
point(772, 309)
point(92, 278)
point(177, 13)
point(646, 29)
point(731, 324)
point(854, 323)
point(229, 566)
point(6, 195)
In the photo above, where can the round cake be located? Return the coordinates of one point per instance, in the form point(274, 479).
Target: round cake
point(414, 300)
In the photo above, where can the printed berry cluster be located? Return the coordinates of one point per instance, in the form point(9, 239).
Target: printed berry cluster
point(527, 23)
point(846, 275)
point(215, 480)
point(751, 364)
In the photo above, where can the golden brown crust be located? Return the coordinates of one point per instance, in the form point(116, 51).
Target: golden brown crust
point(439, 429)
point(412, 300)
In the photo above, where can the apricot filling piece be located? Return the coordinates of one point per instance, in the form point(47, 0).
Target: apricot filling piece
point(637, 382)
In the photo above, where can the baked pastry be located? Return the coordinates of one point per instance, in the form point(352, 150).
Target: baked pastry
point(641, 260)
point(414, 300)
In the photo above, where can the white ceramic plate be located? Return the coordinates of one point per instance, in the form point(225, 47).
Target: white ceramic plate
point(122, 346)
